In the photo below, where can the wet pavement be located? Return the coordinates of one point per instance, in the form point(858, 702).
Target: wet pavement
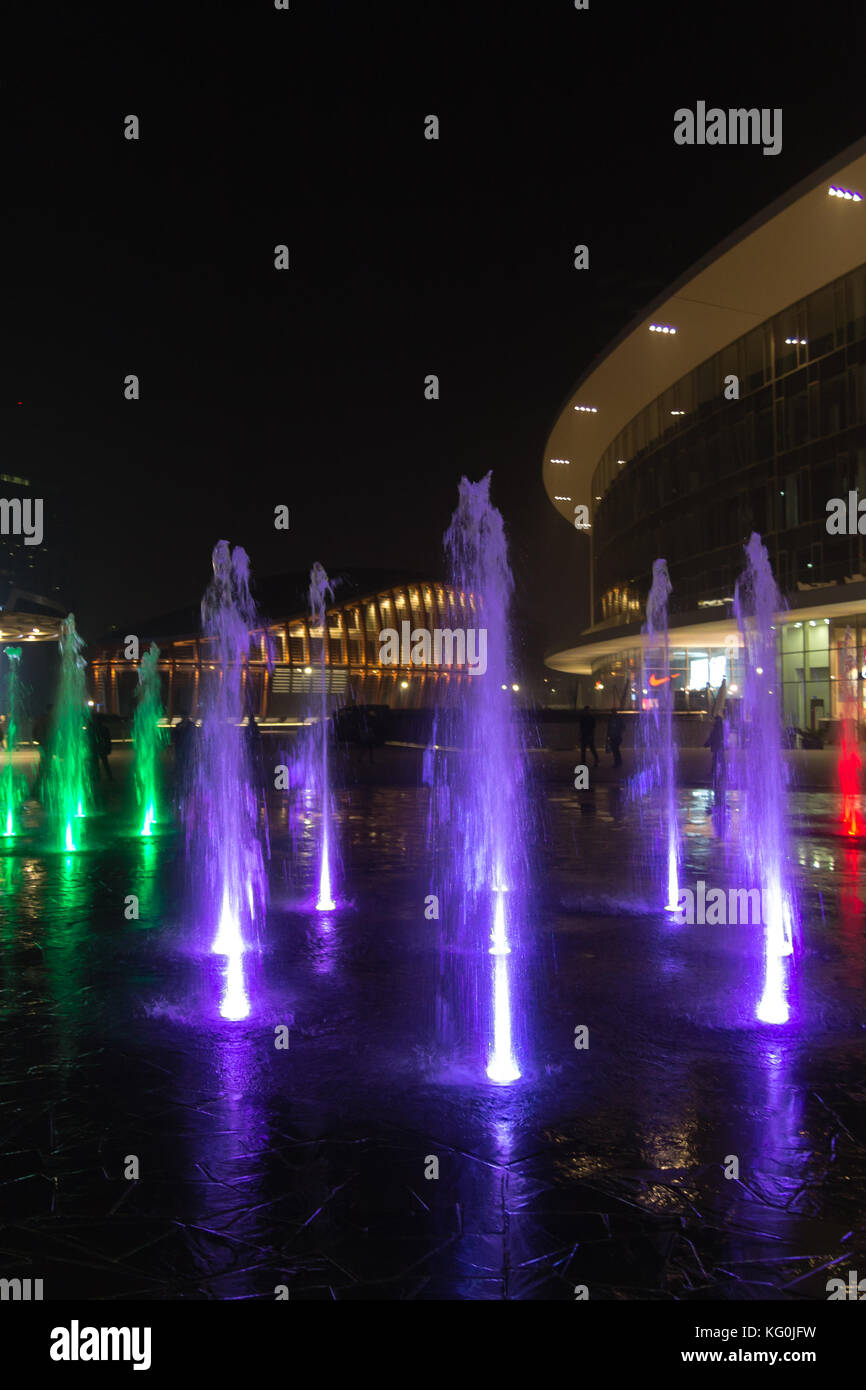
point(310, 1167)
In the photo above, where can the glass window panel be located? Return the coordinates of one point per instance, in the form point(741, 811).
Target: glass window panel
point(820, 322)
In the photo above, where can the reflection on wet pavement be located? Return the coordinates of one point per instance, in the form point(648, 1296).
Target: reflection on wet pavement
point(309, 1167)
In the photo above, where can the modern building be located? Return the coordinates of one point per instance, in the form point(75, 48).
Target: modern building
point(25, 615)
point(282, 679)
point(735, 403)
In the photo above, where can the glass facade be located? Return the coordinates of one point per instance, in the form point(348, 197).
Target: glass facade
point(692, 486)
point(810, 673)
point(690, 671)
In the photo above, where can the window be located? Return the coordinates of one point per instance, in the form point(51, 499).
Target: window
point(827, 482)
point(708, 383)
point(753, 353)
point(764, 434)
point(820, 323)
point(792, 514)
point(833, 405)
point(731, 362)
point(855, 304)
point(786, 333)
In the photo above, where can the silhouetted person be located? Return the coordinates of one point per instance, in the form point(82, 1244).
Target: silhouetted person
point(42, 729)
point(716, 744)
point(587, 734)
point(367, 732)
point(182, 736)
point(253, 735)
point(615, 731)
point(101, 738)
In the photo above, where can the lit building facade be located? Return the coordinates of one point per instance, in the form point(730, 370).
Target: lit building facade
point(282, 679)
point(736, 404)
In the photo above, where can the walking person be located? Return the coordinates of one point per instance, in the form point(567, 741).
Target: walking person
point(253, 736)
point(587, 734)
point(42, 729)
point(182, 736)
point(716, 745)
point(615, 731)
point(102, 744)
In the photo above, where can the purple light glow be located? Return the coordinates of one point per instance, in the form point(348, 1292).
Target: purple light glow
point(479, 816)
point(320, 591)
point(762, 776)
point(502, 1068)
point(221, 807)
point(325, 901)
point(658, 760)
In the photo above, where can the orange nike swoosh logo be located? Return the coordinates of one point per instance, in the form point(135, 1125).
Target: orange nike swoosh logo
point(662, 680)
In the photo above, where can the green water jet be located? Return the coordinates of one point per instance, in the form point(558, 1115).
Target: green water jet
point(149, 737)
point(70, 778)
point(13, 786)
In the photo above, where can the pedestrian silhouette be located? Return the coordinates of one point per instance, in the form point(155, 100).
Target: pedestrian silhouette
point(615, 731)
point(716, 745)
point(587, 734)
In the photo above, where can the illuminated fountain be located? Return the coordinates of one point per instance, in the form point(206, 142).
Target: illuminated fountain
point(479, 816)
point(658, 762)
point(320, 592)
point(149, 738)
point(221, 806)
point(13, 786)
point(762, 777)
point(849, 765)
point(69, 779)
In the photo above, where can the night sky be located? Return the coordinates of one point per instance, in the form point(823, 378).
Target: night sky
point(305, 387)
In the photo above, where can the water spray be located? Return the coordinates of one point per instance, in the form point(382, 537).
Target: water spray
point(149, 738)
point(320, 591)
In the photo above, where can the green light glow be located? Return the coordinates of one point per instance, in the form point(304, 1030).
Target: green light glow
point(69, 771)
point(149, 737)
point(12, 787)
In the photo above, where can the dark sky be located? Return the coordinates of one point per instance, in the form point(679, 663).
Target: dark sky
point(407, 257)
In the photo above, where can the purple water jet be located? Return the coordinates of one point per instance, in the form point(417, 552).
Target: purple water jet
point(320, 591)
point(658, 770)
point(481, 814)
point(221, 805)
point(762, 777)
